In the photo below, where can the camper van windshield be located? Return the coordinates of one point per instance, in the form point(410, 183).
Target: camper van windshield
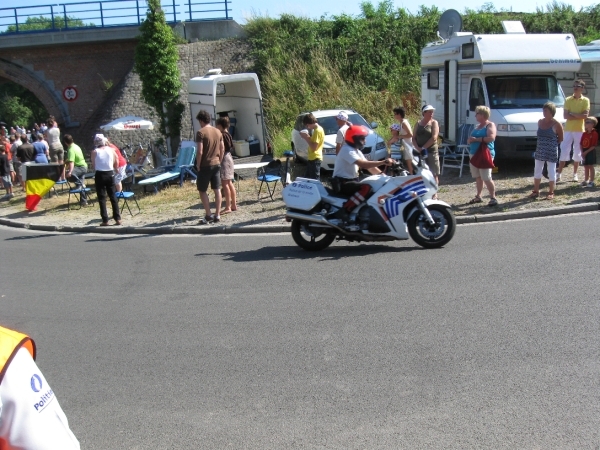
point(529, 91)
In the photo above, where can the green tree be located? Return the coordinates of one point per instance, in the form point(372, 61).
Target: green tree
point(45, 23)
point(156, 59)
point(14, 112)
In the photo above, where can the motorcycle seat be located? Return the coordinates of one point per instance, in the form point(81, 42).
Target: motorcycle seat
point(332, 193)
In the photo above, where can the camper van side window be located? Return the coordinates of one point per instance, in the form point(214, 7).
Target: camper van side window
point(476, 94)
point(433, 79)
point(220, 89)
point(468, 51)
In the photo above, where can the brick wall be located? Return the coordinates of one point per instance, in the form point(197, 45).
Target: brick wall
point(46, 71)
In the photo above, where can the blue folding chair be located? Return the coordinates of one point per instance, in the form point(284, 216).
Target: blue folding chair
point(271, 173)
point(183, 167)
point(456, 156)
point(128, 194)
point(79, 191)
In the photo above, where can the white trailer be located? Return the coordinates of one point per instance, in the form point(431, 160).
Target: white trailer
point(237, 95)
point(512, 74)
point(589, 72)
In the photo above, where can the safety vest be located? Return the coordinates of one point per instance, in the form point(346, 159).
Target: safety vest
point(10, 343)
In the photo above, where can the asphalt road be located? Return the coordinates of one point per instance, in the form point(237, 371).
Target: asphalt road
point(246, 341)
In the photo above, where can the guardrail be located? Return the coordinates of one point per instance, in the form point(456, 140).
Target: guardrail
point(106, 13)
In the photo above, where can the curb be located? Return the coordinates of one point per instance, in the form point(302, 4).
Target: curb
point(220, 229)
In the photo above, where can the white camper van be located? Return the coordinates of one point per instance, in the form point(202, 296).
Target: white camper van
point(513, 74)
point(237, 96)
point(590, 73)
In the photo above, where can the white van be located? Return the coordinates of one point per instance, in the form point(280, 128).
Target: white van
point(237, 96)
point(513, 74)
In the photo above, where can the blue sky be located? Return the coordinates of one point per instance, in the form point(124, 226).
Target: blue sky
point(244, 9)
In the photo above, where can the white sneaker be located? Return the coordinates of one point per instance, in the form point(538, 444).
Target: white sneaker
point(575, 177)
point(558, 177)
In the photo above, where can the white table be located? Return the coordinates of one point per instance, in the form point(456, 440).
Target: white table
point(242, 166)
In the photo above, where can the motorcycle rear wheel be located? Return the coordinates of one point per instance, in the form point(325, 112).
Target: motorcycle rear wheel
point(432, 236)
point(309, 237)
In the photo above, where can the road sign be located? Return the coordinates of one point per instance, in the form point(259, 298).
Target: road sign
point(70, 93)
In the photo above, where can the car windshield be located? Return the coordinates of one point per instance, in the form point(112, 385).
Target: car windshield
point(330, 126)
point(532, 91)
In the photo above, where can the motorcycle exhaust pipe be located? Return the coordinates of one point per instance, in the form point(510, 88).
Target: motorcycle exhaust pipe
point(314, 219)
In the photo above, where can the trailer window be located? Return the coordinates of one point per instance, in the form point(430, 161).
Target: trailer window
point(433, 79)
point(476, 94)
point(529, 91)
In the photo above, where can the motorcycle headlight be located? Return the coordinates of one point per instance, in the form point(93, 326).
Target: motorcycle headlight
point(511, 127)
point(380, 145)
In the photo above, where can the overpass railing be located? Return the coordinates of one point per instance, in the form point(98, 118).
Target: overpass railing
point(105, 13)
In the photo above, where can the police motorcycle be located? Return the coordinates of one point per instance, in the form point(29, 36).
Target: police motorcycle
point(390, 208)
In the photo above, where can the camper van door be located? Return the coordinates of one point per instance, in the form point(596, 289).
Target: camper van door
point(476, 98)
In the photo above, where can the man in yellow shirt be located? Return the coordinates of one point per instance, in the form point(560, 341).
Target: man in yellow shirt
point(315, 146)
point(576, 110)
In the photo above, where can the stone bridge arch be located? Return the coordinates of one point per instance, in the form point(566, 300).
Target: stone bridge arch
point(24, 75)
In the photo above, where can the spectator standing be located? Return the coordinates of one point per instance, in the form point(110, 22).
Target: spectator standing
point(589, 141)
point(209, 154)
point(57, 152)
point(342, 122)
point(576, 110)
point(484, 131)
point(549, 137)
point(105, 162)
point(425, 141)
point(16, 143)
point(40, 151)
point(75, 166)
point(406, 135)
point(315, 146)
point(121, 173)
point(5, 173)
point(8, 147)
point(227, 171)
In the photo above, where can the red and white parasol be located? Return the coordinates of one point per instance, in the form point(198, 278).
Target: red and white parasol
point(128, 123)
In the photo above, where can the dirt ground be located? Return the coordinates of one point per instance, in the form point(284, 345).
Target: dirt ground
point(174, 206)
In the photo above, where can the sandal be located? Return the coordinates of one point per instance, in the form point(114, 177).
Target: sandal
point(550, 196)
point(476, 199)
point(534, 194)
point(104, 224)
point(435, 197)
point(226, 211)
point(493, 202)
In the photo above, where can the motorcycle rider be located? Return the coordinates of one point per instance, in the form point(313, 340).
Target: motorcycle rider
point(348, 161)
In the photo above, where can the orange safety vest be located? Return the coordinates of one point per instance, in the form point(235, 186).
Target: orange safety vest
point(10, 343)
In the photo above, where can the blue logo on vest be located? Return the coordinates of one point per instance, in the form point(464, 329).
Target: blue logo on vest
point(36, 383)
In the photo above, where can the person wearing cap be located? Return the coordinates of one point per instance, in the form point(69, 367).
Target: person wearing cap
point(405, 134)
point(315, 146)
point(105, 162)
point(576, 110)
point(425, 141)
point(30, 415)
point(342, 122)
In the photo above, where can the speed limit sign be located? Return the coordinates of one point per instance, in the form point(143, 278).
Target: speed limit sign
point(70, 93)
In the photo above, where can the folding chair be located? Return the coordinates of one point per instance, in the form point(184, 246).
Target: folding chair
point(128, 194)
point(76, 191)
point(271, 173)
point(456, 156)
point(62, 184)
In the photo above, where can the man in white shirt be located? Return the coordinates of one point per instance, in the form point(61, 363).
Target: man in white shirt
point(342, 122)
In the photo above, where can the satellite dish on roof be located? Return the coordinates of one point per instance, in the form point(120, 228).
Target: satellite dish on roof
point(450, 23)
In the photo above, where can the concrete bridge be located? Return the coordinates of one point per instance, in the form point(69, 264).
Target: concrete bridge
point(84, 77)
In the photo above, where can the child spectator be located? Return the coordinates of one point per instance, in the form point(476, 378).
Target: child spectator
point(589, 140)
point(5, 173)
point(395, 142)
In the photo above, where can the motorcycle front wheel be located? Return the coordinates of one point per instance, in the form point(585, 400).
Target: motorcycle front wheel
point(436, 235)
point(310, 237)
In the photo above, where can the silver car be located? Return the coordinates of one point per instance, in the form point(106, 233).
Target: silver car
point(375, 148)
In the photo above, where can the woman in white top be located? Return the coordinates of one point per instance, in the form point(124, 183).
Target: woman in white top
point(406, 136)
point(57, 152)
point(105, 161)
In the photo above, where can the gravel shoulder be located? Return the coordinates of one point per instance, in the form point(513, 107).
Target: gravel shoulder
point(181, 207)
